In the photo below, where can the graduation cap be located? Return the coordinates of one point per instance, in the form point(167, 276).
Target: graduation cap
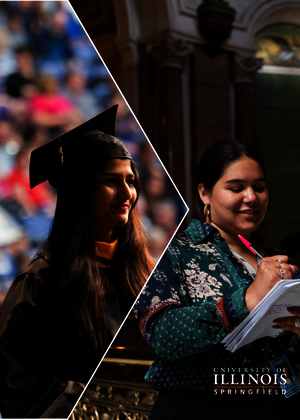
point(91, 143)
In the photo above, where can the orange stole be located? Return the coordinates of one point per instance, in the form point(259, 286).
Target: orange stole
point(106, 250)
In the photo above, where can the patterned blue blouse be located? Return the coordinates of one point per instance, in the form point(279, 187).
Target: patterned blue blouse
point(192, 300)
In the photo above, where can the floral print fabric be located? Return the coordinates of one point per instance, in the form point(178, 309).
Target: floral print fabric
point(193, 299)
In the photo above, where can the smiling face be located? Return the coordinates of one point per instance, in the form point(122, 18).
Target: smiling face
point(112, 200)
point(239, 200)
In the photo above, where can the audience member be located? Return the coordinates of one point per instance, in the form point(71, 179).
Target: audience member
point(22, 82)
point(76, 91)
point(7, 58)
point(48, 108)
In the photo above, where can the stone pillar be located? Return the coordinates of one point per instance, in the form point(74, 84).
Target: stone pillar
point(129, 83)
point(210, 111)
point(244, 70)
point(170, 53)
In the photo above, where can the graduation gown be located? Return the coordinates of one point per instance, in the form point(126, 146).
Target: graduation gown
point(44, 363)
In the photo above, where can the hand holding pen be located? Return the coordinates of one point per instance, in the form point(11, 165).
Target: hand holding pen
point(271, 270)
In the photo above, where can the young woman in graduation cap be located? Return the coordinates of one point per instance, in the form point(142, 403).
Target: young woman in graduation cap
point(61, 314)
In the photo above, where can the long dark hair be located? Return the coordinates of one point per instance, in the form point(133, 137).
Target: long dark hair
point(70, 249)
point(216, 160)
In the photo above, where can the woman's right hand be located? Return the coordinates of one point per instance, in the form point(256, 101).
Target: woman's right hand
point(268, 274)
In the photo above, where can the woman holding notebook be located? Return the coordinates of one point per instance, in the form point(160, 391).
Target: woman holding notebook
point(206, 284)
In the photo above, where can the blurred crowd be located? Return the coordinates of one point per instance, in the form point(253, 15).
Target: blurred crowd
point(51, 80)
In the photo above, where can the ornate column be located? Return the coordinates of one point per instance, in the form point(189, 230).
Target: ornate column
point(170, 53)
point(244, 70)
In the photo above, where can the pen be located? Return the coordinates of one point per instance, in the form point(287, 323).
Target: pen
point(249, 246)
